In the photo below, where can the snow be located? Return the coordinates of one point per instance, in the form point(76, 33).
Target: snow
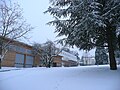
point(61, 78)
point(4, 69)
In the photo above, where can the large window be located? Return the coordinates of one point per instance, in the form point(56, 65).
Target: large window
point(29, 61)
point(20, 49)
point(12, 47)
point(29, 51)
point(19, 61)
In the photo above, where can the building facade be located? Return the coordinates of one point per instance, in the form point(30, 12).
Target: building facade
point(68, 59)
point(57, 61)
point(20, 55)
point(87, 59)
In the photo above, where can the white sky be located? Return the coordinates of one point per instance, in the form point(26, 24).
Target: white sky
point(33, 13)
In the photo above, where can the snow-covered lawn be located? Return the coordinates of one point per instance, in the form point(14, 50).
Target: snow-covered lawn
point(61, 78)
point(4, 69)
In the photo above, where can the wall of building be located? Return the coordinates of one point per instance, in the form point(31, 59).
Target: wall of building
point(37, 61)
point(20, 55)
point(68, 56)
point(57, 61)
point(88, 60)
point(9, 59)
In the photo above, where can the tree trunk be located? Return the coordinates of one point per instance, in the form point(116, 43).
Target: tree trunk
point(113, 65)
point(49, 64)
point(0, 63)
point(111, 48)
point(119, 41)
point(0, 56)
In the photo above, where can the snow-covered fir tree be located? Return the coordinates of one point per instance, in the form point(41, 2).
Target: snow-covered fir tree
point(87, 23)
point(101, 56)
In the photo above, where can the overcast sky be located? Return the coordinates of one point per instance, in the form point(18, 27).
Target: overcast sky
point(33, 13)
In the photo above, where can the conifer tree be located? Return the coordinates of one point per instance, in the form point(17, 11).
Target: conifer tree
point(87, 23)
point(101, 56)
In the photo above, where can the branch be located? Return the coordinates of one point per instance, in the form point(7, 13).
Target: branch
point(107, 13)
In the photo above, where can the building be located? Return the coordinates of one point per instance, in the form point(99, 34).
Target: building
point(87, 59)
point(20, 55)
point(68, 59)
point(57, 61)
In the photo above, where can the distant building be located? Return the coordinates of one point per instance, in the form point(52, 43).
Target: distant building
point(68, 59)
point(65, 59)
point(87, 59)
point(57, 61)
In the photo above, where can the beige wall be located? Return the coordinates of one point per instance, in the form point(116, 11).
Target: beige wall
point(9, 59)
point(36, 61)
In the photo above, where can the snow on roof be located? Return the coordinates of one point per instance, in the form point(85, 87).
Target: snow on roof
point(68, 56)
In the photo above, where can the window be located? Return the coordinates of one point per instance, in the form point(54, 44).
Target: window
point(29, 51)
point(20, 49)
point(29, 61)
point(19, 61)
point(12, 47)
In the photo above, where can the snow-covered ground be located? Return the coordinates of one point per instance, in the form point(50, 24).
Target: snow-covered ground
point(61, 78)
point(4, 69)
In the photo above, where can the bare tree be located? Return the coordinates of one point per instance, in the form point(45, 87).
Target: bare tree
point(12, 25)
point(37, 50)
point(46, 50)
